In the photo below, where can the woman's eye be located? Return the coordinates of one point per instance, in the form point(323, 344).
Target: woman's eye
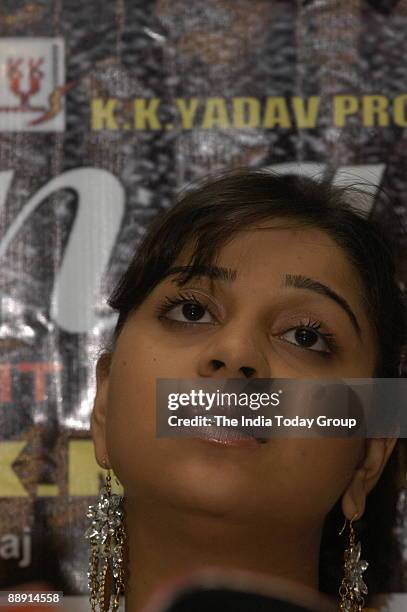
point(307, 338)
point(191, 312)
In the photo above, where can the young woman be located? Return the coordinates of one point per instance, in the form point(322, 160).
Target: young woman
point(252, 275)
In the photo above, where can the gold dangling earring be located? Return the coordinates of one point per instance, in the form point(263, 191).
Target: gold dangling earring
point(107, 536)
point(352, 586)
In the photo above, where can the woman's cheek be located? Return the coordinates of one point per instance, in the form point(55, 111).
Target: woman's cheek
point(130, 418)
point(330, 468)
point(311, 474)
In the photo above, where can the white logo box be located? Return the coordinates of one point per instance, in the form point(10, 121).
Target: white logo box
point(32, 80)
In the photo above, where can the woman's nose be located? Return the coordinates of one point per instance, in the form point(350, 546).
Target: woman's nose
point(246, 371)
point(234, 354)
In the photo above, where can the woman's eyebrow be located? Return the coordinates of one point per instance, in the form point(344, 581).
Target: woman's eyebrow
point(304, 282)
point(298, 281)
point(211, 272)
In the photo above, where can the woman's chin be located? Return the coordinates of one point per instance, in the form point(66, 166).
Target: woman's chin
point(218, 488)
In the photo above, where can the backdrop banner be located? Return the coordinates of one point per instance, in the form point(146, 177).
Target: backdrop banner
point(107, 109)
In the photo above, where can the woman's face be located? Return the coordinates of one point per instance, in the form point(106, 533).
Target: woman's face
point(245, 325)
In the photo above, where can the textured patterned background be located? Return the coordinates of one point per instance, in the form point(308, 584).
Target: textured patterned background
point(166, 49)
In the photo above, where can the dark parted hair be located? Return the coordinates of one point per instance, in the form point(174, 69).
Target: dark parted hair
point(205, 217)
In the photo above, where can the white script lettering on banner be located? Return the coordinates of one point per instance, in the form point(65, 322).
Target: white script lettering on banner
point(91, 241)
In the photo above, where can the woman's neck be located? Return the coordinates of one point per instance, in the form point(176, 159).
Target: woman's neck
point(166, 543)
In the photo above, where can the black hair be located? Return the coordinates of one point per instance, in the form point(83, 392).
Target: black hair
point(205, 217)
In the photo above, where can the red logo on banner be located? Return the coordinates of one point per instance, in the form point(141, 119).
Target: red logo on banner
point(32, 84)
point(15, 76)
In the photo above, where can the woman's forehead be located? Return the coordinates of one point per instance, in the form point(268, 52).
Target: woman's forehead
point(285, 241)
point(278, 247)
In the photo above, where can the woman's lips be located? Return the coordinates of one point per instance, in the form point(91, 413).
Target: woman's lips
point(226, 436)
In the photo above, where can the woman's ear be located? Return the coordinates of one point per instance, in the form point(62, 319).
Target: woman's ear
point(98, 417)
point(367, 474)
